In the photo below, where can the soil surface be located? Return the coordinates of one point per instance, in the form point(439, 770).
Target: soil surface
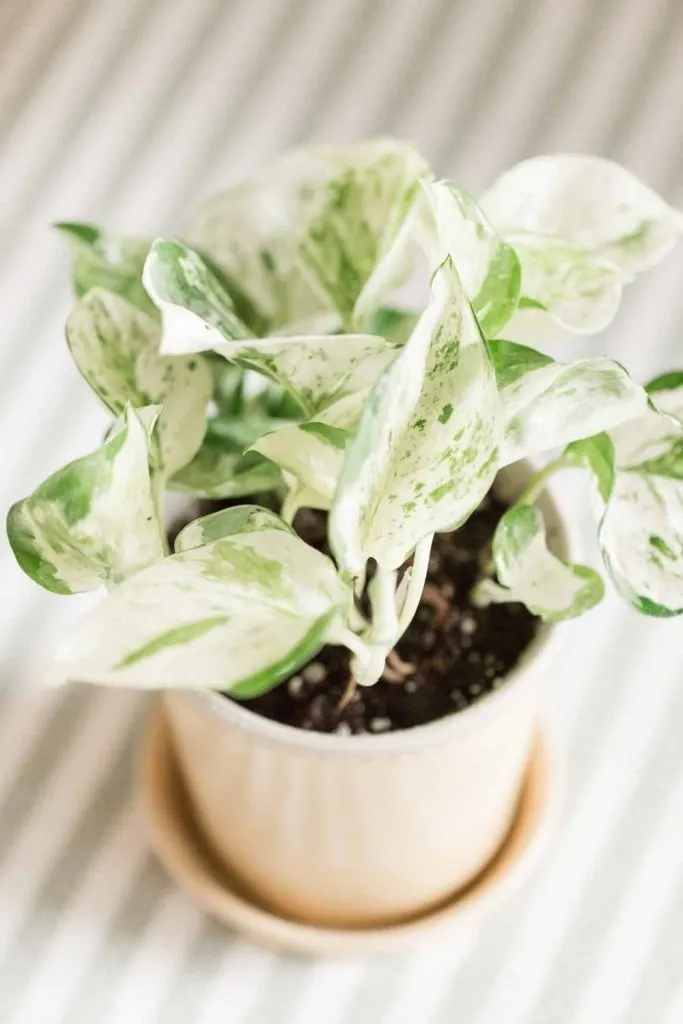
point(451, 655)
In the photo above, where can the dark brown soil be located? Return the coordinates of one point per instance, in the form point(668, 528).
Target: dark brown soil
point(451, 656)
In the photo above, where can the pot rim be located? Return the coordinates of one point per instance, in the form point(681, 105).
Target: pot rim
point(529, 670)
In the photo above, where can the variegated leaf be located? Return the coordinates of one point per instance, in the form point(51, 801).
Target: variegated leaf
point(582, 227)
point(529, 572)
point(197, 311)
point(489, 268)
point(240, 613)
point(394, 324)
point(316, 370)
point(425, 451)
point(226, 523)
point(547, 404)
point(310, 456)
point(102, 259)
point(308, 234)
point(641, 521)
point(93, 522)
point(116, 348)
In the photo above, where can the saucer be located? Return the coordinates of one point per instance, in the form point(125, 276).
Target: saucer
point(185, 855)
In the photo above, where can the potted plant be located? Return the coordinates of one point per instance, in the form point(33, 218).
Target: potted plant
point(351, 664)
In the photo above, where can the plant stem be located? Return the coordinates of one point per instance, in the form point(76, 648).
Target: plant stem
point(382, 593)
point(290, 506)
point(418, 575)
point(536, 484)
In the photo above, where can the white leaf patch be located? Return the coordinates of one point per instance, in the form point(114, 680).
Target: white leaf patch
point(582, 227)
point(530, 573)
point(93, 522)
point(115, 347)
point(547, 404)
point(489, 268)
point(240, 613)
point(425, 451)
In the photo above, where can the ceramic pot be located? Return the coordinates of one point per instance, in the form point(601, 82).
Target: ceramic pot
point(360, 831)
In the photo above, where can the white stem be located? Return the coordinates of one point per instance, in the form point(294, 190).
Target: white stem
point(489, 592)
point(290, 506)
point(382, 593)
point(415, 585)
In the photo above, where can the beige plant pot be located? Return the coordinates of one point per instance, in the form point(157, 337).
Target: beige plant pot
point(357, 831)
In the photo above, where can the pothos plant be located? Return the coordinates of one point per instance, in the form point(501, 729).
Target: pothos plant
point(260, 354)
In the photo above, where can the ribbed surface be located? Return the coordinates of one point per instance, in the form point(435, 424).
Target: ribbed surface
point(124, 111)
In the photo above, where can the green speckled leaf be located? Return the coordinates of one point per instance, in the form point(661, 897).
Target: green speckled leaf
point(240, 613)
point(489, 268)
point(314, 231)
point(116, 348)
point(316, 370)
point(641, 516)
point(547, 404)
point(101, 259)
point(94, 521)
point(582, 227)
point(225, 523)
point(425, 451)
point(529, 572)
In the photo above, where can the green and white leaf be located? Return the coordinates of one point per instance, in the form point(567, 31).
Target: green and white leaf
point(641, 515)
point(317, 371)
point(582, 227)
point(240, 614)
point(93, 522)
point(576, 288)
point(116, 348)
point(308, 235)
point(102, 259)
point(394, 324)
point(425, 452)
point(226, 523)
point(529, 572)
point(222, 469)
point(547, 404)
point(489, 268)
point(310, 456)
point(197, 311)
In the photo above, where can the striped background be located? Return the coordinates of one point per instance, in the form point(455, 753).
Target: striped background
point(124, 111)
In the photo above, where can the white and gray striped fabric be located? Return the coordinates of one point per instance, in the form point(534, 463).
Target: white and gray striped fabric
point(124, 112)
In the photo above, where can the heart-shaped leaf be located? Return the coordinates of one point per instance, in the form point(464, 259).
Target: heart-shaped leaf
point(116, 348)
point(529, 572)
point(489, 268)
point(308, 235)
point(240, 613)
point(641, 507)
point(547, 404)
point(93, 522)
point(425, 451)
point(102, 259)
point(582, 227)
